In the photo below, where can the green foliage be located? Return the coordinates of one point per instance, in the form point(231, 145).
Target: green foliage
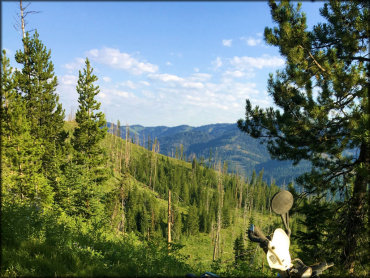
point(323, 106)
point(50, 243)
point(91, 126)
point(239, 250)
point(69, 211)
point(36, 82)
point(21, 154)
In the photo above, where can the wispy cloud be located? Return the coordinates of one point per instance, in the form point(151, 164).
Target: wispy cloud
point(246, 62)
point(107, 79)
point(128, 84)
point(234, 74)
point(199, 76)
point(68, 79)
point(165, 77)
point(217, 63)
point(114, 58)
point(162, 94)
point(77, 64)
point(253, 41)
point(227, 43)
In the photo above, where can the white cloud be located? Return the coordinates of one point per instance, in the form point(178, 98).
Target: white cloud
point(68, 79)
point(227, 43)
point(200, 76)
point(251, 41)
point(246, 62)
point(145, 83)
point(235, 73)
point(168, 63)
point(217, 63)
point(109, 92)
point(120, 60)
point(128, 84)
point(192, 85)
point(77, 64)
point(107, 79)
point(165, 77)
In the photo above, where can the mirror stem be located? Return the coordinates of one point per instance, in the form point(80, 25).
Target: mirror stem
point(285, 219)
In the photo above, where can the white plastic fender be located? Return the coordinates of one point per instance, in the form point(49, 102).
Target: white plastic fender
point(278, 255)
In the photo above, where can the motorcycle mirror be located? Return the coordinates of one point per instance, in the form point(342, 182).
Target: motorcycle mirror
point(282, 202)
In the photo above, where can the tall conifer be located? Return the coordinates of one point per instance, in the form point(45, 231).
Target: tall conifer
point(91, 125)
point(37, 83)
point(22, 180)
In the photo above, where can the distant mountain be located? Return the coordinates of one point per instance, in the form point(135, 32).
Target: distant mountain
point(217, 142)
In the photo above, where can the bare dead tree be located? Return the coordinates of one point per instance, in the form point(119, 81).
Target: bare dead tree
point(127, 148)
point(21, 21)
point(216, 249)
point(169, 220)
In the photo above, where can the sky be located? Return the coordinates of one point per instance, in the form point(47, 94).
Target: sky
point(158, 63)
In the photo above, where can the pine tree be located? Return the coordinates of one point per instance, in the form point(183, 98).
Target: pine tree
point(22, 180)
point(239, 250)
point(89, 155)
point(37, 83)
point(323, 101)
point(193, 220)
point(91, 126)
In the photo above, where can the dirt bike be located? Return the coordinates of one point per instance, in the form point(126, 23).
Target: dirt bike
point(277, 247)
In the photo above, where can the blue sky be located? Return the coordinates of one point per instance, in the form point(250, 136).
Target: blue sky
point(159, 63)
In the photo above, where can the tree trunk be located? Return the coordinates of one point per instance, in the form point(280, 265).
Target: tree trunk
point(169, 240)
point(216, 249)
point(22, 20)
point(356, 213)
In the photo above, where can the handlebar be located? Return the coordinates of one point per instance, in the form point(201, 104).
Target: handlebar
point(320, 268)
point(256, 235)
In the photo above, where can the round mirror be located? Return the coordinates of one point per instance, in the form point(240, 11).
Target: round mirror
point(282, 202)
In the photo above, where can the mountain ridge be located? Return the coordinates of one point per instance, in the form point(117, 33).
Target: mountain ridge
point(216, 142)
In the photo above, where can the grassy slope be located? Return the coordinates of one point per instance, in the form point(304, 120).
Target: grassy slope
point(197, 249)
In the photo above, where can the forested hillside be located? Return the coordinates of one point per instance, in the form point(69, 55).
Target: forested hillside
point(212, 143)
point(78, 200)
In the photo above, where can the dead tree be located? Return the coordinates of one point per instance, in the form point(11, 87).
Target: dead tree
point(169, 220)
point(216, 249)
point(22, 16)
point(127, 148)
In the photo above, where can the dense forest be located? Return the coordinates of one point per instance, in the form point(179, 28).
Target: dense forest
point(78, 200)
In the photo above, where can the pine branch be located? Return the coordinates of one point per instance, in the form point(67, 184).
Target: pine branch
point(313, 58)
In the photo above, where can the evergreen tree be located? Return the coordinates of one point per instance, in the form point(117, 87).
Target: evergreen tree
point(239, 250)
point(89, 155)
point(22, 180)
point(323, 101)
point(91, 128)
point(193, 220)
point(37, 83)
